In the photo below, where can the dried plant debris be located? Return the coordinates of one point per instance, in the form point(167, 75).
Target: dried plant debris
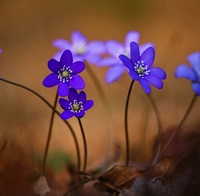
point(155, 187)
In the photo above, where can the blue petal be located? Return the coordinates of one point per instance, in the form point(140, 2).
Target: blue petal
point(148, 56)
point(158, 72)
point(66, 58)
point(62, 44)
point(96, 47)
point(93, 59)
point(80, 114)
point(134, 75)
point(66, 114)
point(135, 53)
point(145, 85)
point(77, 67)
point(57, 55)
point(143, 47)
point(78, 38)
point(51, 80)
point(77, 82)
point(194, 60)
point(154, 81)
point(126, 61)
point(82, 96)
point(114, 48)
point(72, 95)
point(108, 61)
point(132, 36)
point(88, 104)
point(196, 88)
point(64, 103)
point(54, 65)
point(114, 73)
point(63, 89)
point(186, 72)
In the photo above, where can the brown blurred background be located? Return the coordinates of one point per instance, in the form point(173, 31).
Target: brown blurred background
point(27, 30)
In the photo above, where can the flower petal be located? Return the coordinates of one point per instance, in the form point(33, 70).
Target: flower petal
point(194, 60)
point(62, 44)
point(57, 55)
point(143, 47)
point(51, 80)
point(78, 38)
point(66, 58)
point(66, 114)
point(114, 48)
point(135, 53)
point(77, 67)
point(145, 85)
point(134, 75)
point(96, 47)
point(114, 73)
point(196, 88)
point(54, 65)
point(154, 81)
point(93, 59)
point(72, 95)
point(80, 114)
point(158, 72)
point(186, 72)
point(77, 82)
point(148, 56)
point(108, 61)
point(88, 104)
point(82, 96)
point(126, 61)
point(63, 89)
point(64, 103)
point(132, 36)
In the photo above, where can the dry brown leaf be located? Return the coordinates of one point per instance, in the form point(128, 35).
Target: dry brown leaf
point(41, 187)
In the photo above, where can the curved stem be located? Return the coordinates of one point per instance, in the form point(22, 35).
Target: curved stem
point(159, 130)
point(45, 101)
point(126, 123)
point(105, 104)
point(85, 145)
point(49, 135)
point(181, 123)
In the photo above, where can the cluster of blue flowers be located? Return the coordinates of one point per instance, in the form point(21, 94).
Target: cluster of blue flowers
point(137, 60)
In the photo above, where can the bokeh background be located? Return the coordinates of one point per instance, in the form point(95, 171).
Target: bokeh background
point(27, 30)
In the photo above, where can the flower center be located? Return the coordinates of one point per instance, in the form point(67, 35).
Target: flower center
point(75, 106)
point(141, 69)
point(79, 48)
point(64, 74)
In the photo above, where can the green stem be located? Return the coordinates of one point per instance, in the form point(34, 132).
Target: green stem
point(106, 106)
point(45, 101)
point(85, 145)
point(49, 135)
point(180, 124)
point(126, 123)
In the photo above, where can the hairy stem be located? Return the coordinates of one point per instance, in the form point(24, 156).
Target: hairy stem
point(85, 145)
point(181, 123)
point(49, 135)
point(47, 103)
point(126, 123)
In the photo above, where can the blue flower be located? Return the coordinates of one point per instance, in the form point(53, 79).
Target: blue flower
point(76, 105)
point(141, 67)
point(65, 74)
point(114, 49)
point(192, 73)
point(82, 50)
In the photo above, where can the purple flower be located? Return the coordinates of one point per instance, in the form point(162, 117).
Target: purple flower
point(76, 105)
point(141, 67)
point(114, 49)
point(65, 74)
point(192, 73)
point(82, 50)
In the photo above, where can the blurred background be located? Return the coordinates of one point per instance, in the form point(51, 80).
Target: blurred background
point(27, 30)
